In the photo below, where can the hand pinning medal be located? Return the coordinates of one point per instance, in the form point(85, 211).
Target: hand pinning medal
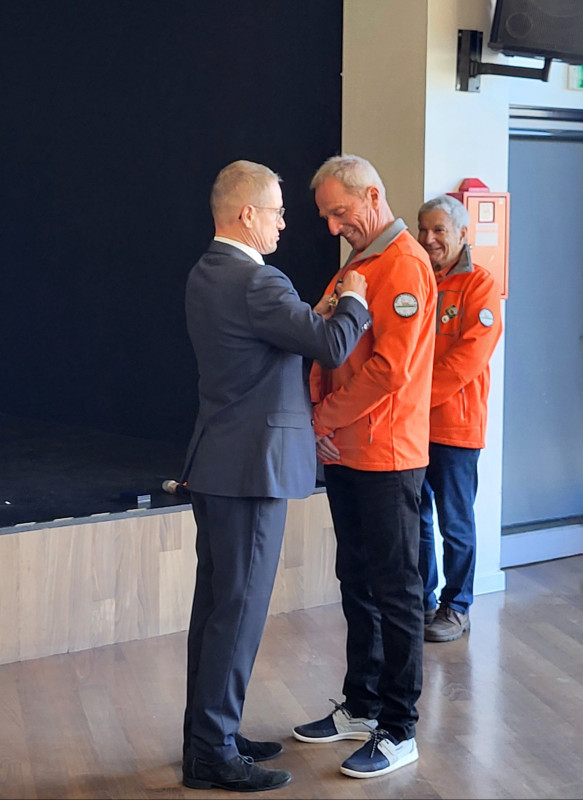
point(333, 299)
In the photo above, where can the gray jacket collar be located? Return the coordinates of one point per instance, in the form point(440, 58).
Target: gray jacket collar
point(464, 263)
point(381, 243)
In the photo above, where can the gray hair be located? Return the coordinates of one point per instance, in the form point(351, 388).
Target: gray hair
point(239, 182)
point(353, 172)
point(455, 210)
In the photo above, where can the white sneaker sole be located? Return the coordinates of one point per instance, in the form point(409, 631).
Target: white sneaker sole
point(356, 735)
point(402, 762)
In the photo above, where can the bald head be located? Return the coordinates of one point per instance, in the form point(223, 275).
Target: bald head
point(236, 185)
point(247, 205)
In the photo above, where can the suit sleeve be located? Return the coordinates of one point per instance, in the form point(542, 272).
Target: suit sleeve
point(470, 354)
point(278, 316)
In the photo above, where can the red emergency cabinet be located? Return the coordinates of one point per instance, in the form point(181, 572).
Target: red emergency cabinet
point(489, 223)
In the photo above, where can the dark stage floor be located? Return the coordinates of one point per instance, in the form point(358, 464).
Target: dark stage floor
point(54, 471)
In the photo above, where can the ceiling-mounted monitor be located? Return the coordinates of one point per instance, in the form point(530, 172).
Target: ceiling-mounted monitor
point(546, 28)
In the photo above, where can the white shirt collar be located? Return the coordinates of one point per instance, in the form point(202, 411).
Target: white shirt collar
point(250, 251)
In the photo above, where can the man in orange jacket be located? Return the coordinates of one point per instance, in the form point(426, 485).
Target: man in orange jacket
point(468, 328)
point(371, 420)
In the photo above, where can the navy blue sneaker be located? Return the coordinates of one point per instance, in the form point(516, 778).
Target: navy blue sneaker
point(379, 756)
point(340, 724)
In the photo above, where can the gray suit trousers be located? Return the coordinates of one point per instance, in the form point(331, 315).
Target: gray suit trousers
point(238, 547)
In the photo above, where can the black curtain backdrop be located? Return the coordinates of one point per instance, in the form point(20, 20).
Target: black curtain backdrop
point(116, 117)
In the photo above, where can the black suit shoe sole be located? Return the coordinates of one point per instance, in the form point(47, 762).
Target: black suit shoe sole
point(237, 786)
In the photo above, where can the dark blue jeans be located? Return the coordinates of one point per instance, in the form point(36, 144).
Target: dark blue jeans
point(451, 481)
point(376, 522)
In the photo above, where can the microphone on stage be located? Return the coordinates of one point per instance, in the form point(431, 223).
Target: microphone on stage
point(175, 488)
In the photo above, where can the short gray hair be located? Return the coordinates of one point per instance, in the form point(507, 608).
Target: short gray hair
point(240, 181)
point(455, 210)
point(354, 173)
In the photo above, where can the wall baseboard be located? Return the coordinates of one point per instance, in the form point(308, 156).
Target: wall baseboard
point(544, 544)
point(485, 584)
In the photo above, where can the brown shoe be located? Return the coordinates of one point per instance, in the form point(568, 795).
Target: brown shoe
point(447, 625)
point(429, 616)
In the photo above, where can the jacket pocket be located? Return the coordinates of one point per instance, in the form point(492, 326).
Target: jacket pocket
point(464, 404)
point(286, 419)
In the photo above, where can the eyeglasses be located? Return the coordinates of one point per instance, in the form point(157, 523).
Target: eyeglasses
point(279, 212)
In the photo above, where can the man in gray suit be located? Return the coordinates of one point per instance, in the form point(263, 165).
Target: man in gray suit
point(253, 447)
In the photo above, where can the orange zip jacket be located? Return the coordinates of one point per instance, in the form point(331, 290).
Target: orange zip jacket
point(469, 325)
point(377, 402)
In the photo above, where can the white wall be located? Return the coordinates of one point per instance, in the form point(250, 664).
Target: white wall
point(552, 94)
point(401, 110)
point(467, 136)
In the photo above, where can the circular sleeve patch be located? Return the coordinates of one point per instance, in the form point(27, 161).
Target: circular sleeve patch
point(486, 317)
point(406, 304)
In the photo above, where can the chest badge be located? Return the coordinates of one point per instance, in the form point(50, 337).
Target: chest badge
point(486, 317)
point(450, 313)
point(406, 304)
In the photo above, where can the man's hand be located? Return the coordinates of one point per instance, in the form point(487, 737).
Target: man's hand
point(324, 307)
point(354, 282)
point(326, 450)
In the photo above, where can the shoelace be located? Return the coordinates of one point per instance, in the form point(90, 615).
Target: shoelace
point(377, 737)
point(341, 707)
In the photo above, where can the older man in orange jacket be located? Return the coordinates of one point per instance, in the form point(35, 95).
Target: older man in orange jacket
point(469, 326)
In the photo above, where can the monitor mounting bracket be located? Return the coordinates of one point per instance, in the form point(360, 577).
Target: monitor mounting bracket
point(470, 66)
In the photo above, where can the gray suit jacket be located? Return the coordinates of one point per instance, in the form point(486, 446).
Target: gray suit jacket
point(251, 334)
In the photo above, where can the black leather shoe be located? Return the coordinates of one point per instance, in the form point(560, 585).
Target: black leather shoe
point(239, 774)
point(258, 751)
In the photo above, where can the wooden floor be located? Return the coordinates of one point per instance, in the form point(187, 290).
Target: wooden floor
point(501, 714)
